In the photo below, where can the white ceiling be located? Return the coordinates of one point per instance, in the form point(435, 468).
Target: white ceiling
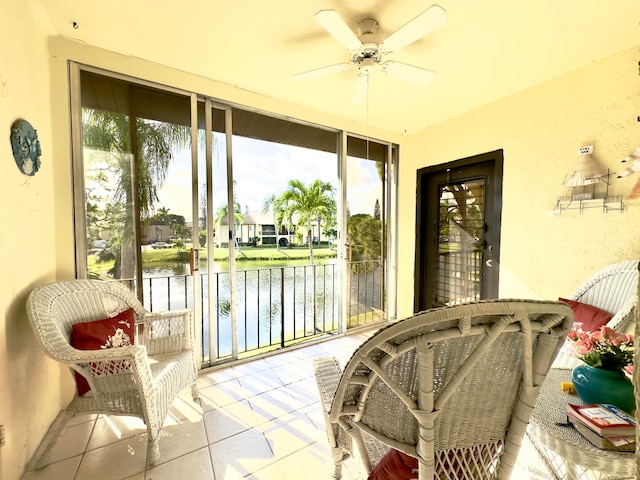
point(487, 49)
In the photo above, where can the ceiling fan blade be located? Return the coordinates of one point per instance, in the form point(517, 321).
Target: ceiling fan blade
point(409, 73)
point(360, 89)
point(322, 72)
point(428, 21)
point(335, 25)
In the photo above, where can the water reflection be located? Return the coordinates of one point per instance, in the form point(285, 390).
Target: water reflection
point(274, 304)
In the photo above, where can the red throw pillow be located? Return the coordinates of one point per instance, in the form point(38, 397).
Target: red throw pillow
point(112, 332)
point(591, 318)
point(395, 465)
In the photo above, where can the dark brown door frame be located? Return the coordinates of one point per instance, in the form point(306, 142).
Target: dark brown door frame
point(428, 209)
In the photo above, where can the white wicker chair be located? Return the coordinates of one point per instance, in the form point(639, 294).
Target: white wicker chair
point(614, 289)
point(453, 387)
point(156, 368)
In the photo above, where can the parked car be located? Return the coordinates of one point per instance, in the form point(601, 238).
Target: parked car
point(160, 245)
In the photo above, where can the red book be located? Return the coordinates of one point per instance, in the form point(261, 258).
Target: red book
point(606, 420)
point(618, 444)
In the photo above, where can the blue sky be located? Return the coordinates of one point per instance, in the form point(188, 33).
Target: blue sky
point(262, 168)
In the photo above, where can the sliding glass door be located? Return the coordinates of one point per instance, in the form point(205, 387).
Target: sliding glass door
point(273, 231)
point(137, 195)
point(369, 246)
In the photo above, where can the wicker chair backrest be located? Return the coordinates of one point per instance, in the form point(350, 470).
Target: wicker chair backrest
point(453, 386)
point(610, 288)
point(56, 307)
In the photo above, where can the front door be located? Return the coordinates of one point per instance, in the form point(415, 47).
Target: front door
point(458, 231)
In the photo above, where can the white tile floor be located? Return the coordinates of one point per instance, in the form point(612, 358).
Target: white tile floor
point(257, 420)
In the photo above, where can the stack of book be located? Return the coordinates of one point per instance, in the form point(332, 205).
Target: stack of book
point(604, 425)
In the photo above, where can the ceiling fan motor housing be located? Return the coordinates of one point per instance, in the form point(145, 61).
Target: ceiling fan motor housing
point(367, 49)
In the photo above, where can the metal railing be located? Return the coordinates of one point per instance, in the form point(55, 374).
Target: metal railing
point(275, 307)
point(365, 303)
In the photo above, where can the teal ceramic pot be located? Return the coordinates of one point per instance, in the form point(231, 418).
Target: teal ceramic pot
point(597, 385)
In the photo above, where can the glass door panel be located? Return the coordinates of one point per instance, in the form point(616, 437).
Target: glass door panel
point(366, 213)
point(216, 280)
point(285, 213)
point(137, 179)
point(460, 240)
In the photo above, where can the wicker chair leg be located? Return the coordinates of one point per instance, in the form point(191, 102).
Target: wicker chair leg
point(41, 456)
point(338, 455)
point(153, 450)
point(195, 393)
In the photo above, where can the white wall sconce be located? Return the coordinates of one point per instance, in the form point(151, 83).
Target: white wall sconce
point(584, 179)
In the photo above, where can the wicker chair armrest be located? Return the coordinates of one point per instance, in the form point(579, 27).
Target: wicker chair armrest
point(166, 332)
point(73, 355)
point(327, 372)
point(104, 363)
point(624, 319)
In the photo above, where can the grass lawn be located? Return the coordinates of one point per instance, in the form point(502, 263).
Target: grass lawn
point(173, 255)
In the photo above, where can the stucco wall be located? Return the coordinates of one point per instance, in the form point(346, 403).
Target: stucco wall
point(540, 129)
point(29, 382)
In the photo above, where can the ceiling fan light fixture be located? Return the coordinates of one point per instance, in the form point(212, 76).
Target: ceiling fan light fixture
point(366, 65)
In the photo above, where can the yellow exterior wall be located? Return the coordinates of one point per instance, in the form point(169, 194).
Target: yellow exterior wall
point(540, 130)
point(30, 383)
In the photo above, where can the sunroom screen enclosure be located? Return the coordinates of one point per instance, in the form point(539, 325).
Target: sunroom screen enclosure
point(273, 231)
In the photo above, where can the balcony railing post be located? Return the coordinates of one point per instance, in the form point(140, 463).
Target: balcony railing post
point(282, 306)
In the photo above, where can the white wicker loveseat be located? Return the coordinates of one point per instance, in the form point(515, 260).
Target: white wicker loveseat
point(614, 289)
point(453, 387)
point(138, 380)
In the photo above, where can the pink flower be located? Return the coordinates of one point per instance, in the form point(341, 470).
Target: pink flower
point(604, 348)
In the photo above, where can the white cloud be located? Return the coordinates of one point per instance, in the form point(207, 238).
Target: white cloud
point(263, 168)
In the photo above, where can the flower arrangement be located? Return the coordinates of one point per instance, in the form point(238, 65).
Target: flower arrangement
point(604, 348)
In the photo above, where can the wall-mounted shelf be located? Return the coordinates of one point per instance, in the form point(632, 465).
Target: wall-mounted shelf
point(579, 202)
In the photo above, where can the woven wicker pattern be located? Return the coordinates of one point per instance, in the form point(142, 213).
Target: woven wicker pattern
point(614, 289)
point(140, 380)
point(569, 455)
point(453, 387)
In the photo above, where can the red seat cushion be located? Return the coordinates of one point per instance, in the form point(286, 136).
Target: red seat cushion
point(591, 318)
point(395, 465)
point(111, 332)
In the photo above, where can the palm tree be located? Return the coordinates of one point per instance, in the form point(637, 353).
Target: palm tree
point(162, 214)
point(223, 211)
point(272, 203)
point(154, 143)
point(307, 203)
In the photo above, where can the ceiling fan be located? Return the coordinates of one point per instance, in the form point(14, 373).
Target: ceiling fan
point(366, 53)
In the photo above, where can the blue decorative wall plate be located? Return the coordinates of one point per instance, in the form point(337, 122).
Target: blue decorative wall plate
point(26, 147)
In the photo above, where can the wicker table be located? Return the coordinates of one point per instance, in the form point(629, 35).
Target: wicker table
point(567, 454)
